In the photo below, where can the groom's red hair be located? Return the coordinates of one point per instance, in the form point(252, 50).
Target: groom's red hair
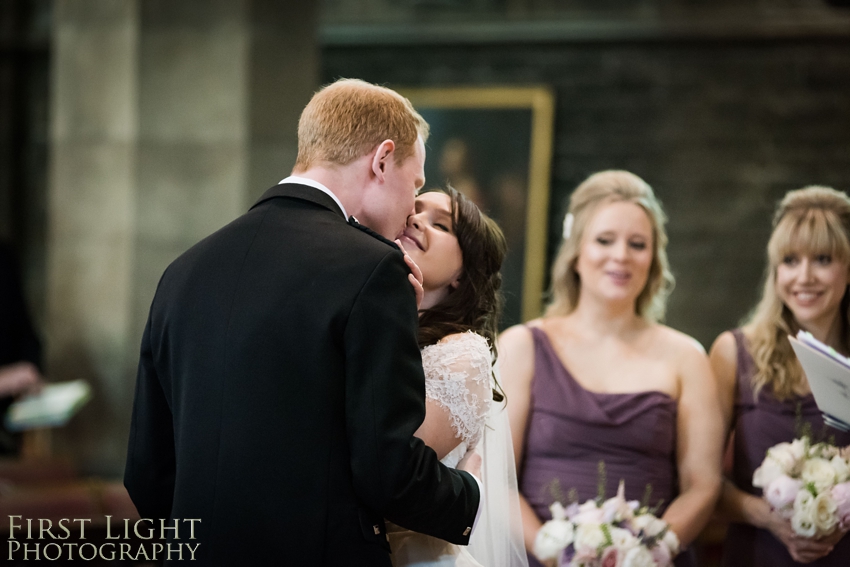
point(347, 119)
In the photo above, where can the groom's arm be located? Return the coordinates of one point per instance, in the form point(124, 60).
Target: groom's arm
point(150, 470)
point(395, 474)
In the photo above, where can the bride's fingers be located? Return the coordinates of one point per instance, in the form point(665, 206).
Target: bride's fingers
point(414, 268)
point(415, 275)
point(417, 289)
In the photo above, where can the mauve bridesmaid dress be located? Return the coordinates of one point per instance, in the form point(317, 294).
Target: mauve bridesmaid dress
point(570, 430)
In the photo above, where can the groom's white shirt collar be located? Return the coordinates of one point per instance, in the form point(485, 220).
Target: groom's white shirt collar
point(315, 185)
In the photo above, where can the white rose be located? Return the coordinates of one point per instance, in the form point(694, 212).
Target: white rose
point(588, 536)
point(820, 473)
point(638, 557)
point(558, 511)
point(640, 522)
point(650, 525)
point(552, 538)
point(769, 471)
point(787, 455)
point(803, 520)
point(799, 448)
point(828, 451)
point(623, 539)
point(672, 541)
point(825, 515)
point(841, 468)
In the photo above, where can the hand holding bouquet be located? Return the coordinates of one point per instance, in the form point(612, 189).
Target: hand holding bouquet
point(808, 484)
point(617, 533)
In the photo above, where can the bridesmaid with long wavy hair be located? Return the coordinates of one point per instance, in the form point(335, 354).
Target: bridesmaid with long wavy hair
point(764, 394)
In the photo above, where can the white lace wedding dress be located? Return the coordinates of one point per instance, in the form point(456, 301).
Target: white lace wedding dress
point(459, 377)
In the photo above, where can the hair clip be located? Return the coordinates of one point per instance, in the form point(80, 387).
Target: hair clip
point(568, 225)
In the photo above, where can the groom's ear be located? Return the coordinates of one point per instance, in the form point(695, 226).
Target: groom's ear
point(383, 154)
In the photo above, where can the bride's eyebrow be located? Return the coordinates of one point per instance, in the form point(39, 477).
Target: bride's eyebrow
point(444, 214)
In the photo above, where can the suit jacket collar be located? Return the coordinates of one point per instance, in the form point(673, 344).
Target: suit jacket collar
point(304, 193)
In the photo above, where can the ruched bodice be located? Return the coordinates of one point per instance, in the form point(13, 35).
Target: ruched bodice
point(571, 429)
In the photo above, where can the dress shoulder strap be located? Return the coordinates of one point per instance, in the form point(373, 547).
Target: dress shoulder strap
point(744, 368)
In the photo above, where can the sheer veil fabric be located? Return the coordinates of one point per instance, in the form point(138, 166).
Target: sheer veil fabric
point(498, 540)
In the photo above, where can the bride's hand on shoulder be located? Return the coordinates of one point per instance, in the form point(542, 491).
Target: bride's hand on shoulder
point(415, 276)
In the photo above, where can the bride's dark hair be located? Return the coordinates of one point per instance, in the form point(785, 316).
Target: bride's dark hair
point(476, 303)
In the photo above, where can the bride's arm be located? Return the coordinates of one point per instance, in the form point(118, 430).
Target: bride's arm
point(700, 433)
point(457, 387)
point(436, 431)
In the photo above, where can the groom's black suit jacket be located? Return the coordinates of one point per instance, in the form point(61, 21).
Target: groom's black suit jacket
point(278, 389)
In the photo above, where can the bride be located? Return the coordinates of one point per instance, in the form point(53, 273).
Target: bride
point(459, 251)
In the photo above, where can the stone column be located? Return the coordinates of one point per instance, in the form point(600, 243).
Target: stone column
point(169, 119)
point(91, 225)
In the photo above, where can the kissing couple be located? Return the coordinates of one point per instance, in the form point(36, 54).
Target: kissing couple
point(302, 379)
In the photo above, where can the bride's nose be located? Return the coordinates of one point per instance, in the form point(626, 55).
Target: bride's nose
point(415, 222)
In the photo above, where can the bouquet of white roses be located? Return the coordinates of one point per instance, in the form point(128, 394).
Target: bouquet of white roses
point(617, 533)
point(807, 484)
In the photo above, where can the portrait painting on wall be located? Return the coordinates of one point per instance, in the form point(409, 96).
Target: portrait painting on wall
point(494, 145)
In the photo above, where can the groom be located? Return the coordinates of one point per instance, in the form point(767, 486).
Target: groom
point(280, 381)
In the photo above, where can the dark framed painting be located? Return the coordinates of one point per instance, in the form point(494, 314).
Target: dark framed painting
point(494, 144)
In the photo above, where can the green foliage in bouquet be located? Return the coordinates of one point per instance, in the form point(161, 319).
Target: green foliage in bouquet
point(601, 480)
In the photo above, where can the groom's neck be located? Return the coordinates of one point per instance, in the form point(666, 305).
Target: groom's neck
point(346, 182)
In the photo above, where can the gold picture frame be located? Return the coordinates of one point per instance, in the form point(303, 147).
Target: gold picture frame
point(501, 124)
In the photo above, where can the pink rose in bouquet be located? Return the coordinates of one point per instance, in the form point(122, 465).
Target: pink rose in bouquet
point(841, 496)
point(780, 494)
point(610, 557)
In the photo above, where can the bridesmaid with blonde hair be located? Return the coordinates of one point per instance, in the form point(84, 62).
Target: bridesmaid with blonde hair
point(764, 393)
point(598, 378)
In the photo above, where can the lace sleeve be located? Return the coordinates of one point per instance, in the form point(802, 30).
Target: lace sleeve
point(458, 377)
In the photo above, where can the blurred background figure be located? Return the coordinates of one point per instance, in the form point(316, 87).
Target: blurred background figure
point(456, 167)
point(20, 349)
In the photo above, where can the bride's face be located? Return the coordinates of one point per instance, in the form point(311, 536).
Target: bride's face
point(430, 240)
